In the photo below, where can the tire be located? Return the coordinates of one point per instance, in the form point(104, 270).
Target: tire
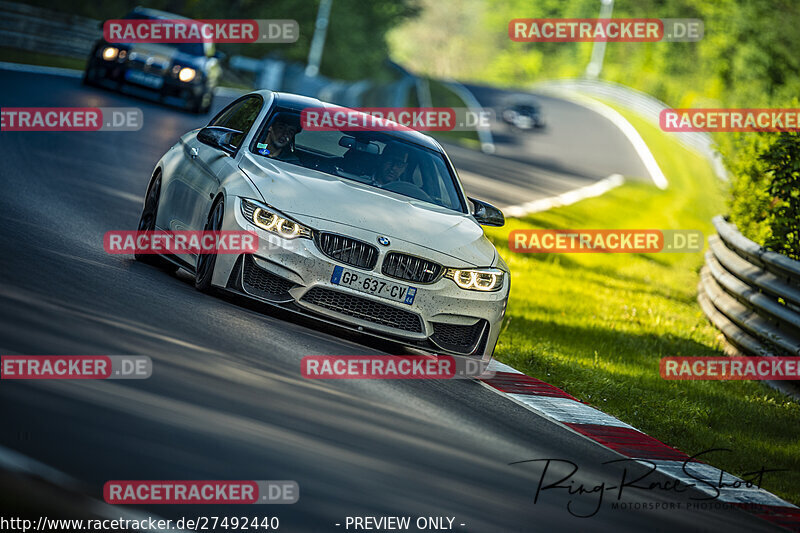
point(147, 222)
point(204, 269)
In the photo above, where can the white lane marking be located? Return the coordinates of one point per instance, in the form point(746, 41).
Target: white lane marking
point(728, 494)
point(625, 127)
point(568, 198)
point(482, 187)
point(569, 411)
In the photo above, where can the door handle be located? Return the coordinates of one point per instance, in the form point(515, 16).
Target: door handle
point(193, 153)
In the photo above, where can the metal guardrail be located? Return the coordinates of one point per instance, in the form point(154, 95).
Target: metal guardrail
point(751, 294)
point(35, 29)
point(279, 75)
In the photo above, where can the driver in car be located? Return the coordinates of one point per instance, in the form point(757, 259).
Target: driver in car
point(393, 165)
point(279, 142)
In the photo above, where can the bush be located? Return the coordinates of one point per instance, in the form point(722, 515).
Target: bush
point(766, 190)
point(783, 168)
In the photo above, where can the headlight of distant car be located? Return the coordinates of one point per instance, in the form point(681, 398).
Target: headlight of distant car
point(187, 74)
point(267, 218)
point(480, 279)
point(110, 53)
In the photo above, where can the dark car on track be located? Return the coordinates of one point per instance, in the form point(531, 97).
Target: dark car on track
point(523, 114)
point(182, 74)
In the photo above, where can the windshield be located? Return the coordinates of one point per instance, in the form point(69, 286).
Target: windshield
point(371, 157)
point(192, 49)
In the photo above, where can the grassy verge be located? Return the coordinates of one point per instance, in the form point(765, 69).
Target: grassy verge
point(597, 325)
point(12, 55)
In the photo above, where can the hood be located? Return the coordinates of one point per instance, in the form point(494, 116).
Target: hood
point(163, 55)
point(311, 196)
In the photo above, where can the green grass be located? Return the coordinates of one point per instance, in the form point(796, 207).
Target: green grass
point(13, 55)
point(597, 325)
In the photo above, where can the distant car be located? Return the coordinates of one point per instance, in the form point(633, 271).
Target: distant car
point(183, 74)
point(524, 115)
point(367, 229)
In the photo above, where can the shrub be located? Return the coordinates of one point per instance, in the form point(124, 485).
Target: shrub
point(783, 170)
point(765, 202)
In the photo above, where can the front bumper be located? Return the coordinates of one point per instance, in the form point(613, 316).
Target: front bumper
point(112, 75)
point(443, 318)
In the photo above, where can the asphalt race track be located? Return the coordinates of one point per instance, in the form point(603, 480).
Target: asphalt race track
point(226, 399)
point(575, 149)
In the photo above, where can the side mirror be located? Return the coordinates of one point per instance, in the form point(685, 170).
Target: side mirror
point(218, 137)
point(486, 214)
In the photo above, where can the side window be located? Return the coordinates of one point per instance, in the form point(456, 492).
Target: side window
point(239, 116)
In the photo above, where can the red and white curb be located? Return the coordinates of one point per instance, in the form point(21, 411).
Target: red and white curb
point(610, 432)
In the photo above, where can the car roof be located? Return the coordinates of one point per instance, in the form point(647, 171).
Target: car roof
point(297, 102)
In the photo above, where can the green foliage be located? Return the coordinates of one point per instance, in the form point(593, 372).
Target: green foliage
point(782, 160)
point(748, 57)
point(597, 325)
point(355, 46)
point(749, 204)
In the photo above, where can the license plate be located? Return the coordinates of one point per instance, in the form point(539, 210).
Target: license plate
point(143, 78)
point(377, 287)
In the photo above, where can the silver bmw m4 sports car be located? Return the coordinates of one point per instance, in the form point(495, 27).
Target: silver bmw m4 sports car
point(370, 230)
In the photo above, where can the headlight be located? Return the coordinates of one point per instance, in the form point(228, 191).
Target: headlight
point(186, 74)
point(481, 279)
point(267, 218)
point(110, 53)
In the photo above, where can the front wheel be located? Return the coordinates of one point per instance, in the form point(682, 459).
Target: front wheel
point(204, 270)
point(147, 222)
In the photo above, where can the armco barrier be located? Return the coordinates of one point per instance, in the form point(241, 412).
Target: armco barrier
point(35, 29)
point(751, 294)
